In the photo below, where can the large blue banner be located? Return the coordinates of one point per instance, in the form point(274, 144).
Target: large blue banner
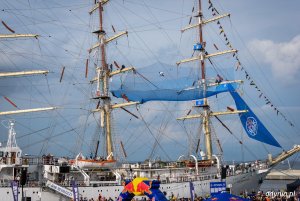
point(192, 191)
point(15, 189)
point(252, 125)
point(162, 94)
point(75, 191)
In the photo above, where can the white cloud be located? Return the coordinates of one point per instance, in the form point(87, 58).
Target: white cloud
point(283, 57)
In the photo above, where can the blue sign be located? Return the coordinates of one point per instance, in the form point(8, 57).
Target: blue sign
point(199, 102)
point(217, 187)
point(198, 46)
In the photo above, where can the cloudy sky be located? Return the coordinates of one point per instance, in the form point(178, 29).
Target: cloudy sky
point(266, 33)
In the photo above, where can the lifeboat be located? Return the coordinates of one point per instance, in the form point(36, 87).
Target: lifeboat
point(82, 162)
point(202, 163)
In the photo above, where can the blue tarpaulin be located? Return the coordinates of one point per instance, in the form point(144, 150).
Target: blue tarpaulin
point(224, 196)
point(164, 82)
point(165, 94)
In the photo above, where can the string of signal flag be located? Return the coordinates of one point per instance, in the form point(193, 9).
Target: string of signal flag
point(240, 67)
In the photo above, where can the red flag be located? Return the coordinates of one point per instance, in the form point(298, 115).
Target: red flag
point(117, 65)
point(7, 27)
point(229, 108)
point(62, 74)
point(86, 68)
point(12, 103)
point(125, 97)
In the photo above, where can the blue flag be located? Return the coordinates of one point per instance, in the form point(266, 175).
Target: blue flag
point(75, 190)
point(192, 191)
point(252, 125)
point(15, 190)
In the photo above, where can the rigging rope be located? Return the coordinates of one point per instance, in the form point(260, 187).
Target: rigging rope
point(156, 140)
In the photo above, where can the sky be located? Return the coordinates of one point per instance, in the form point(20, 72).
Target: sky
point(265, 33)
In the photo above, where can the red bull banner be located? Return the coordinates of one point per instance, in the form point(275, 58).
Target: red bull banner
point(139, 187)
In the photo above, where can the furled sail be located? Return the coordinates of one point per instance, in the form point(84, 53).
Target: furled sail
point(252, 125)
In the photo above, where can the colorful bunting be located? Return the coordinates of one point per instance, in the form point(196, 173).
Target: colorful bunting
point(240, 67)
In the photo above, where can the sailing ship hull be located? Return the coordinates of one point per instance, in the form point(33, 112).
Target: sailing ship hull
point(246, 182)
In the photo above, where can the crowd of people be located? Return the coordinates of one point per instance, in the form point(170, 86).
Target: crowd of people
point(275, 196)
point(99, 198)
point(260, 196)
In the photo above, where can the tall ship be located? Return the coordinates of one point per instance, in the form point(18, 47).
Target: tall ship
point(123, 87)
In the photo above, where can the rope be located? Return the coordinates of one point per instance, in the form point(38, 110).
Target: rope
point(156, 141)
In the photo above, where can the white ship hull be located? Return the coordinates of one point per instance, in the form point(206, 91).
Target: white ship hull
point(240, 183)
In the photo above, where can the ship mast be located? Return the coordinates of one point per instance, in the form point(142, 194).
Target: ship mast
point(102, 79)
point(207, 113)
point(206, 119)
point(103, 85)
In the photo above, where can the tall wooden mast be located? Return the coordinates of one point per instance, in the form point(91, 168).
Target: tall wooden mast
point(207, 113)
point(102, 78)
point(206, 119)
point(103, 84)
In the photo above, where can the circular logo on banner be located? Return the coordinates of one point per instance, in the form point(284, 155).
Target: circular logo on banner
point(251, 126)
